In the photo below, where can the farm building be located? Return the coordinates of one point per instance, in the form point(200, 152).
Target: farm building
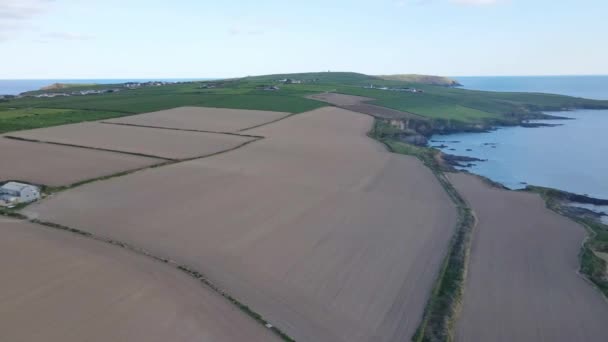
point(13, 193)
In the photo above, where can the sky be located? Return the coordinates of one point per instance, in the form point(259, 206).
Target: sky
point(62, 39)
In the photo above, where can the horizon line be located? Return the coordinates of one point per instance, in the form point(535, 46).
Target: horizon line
point(217, 78)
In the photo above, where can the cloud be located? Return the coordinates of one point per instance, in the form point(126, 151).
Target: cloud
point(15, 15)
point(475, 2)
point(17, 10)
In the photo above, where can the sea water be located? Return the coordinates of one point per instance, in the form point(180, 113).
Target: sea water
point(571, 157)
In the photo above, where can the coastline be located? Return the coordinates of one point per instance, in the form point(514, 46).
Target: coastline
point(546, 154)
point(443, 318)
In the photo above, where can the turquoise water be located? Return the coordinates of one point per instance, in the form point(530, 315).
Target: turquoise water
point(15, 87)
point(571, 157)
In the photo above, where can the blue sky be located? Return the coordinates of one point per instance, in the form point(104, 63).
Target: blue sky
point(226, 38)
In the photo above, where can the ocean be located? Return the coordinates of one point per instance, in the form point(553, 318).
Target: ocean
point(571, 157)
point(15, 87)
point(591, 87)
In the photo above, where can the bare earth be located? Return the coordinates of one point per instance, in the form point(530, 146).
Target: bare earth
point(60, 287)
point(55, 165)
point(156, 142)
point(522, 283)
point(358, 104)
point(316, 227)
point(203, 119)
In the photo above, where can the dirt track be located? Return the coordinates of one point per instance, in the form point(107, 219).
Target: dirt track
point(316, 227)
point(156, 142)
point(204, 119)
point(522, 283)
point(55, 165)
point(60, 287)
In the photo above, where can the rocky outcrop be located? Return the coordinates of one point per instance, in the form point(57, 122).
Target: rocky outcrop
point(459, 161)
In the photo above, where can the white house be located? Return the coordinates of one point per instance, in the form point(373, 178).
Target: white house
point(13, 193)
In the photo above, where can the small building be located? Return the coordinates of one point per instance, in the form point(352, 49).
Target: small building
point(397, 124)
point(13, 193)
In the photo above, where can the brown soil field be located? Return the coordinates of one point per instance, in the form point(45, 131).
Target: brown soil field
point(522, 282)
point(358, 104)
point(163, 143)
point(55, 165)
point(316, 227)
point(57, 286)
point(202, 119)
point(382, 112)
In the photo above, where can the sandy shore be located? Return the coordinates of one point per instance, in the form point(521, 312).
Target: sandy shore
point(522, 283)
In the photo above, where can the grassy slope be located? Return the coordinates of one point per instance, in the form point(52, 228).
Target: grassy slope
point(441, 104)
point(29, 112)
point(438, 102)
point(423, 79)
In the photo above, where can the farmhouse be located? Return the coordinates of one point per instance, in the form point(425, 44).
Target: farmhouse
point(397, 124)
point(13, 193)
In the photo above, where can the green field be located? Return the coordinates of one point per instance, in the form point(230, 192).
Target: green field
point(455, 106)
point(30, 118)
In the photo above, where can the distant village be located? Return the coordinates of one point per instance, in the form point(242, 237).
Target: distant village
point(114, 89)
point(281, 81)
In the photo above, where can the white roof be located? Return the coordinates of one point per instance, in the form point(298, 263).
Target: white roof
point(14, 186)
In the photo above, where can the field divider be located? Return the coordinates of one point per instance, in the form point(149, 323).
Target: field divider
point(182, 129)
point(271, 122)
point(445, 300)
point(193, 273)
point(168, 162)
point(89, 148)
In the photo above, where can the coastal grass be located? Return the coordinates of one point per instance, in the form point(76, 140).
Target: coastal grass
point(30, 118)
point(591, 265)
point(440, 313)
point(423, 104)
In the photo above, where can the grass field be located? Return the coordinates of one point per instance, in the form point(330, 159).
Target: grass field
point(30, 118)
point(436, 102)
